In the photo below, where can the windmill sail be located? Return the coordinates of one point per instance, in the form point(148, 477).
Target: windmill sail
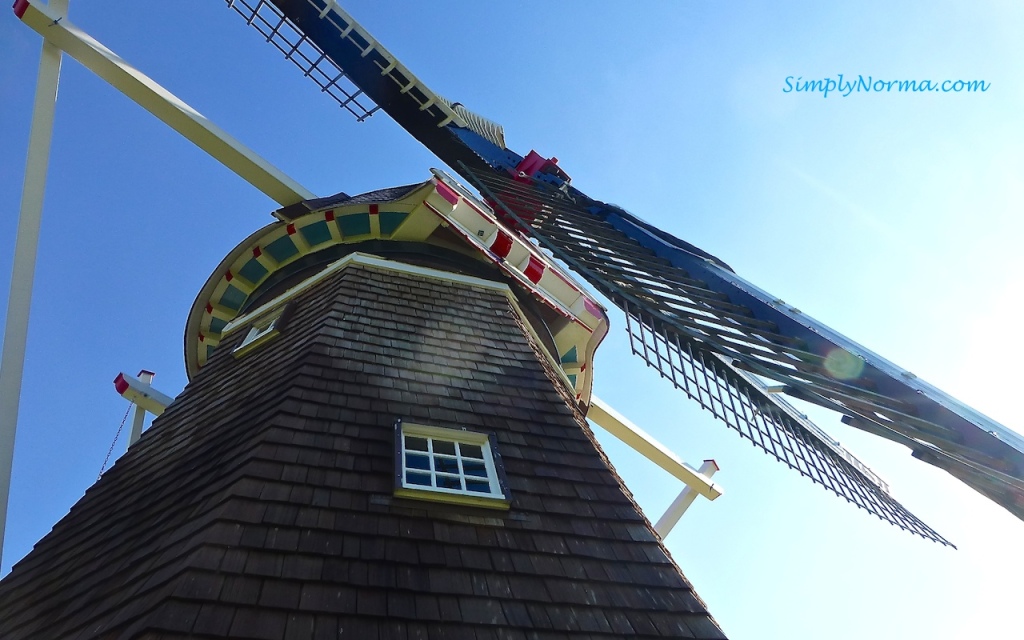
point(726, 343)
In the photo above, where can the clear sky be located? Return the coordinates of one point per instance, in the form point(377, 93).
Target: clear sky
point(893, 217)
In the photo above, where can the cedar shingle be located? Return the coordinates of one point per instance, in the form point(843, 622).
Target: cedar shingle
point(280, 594)
point(243, 590)
point(299, 626)
point(427, 607)
point(401, 604)
point(259, 624)
point(214, 620)
point(199, 586)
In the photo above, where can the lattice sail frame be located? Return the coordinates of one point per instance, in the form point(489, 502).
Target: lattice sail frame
point(306, 55)
point(695, 339)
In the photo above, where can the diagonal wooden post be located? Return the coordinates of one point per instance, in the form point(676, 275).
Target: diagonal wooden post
point(12, 362)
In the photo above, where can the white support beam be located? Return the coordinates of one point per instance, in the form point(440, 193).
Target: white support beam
point(12, 362)
point(139, 392)
point(57, 30)
point(617, 425)
point(682, 502)
point(146, 378)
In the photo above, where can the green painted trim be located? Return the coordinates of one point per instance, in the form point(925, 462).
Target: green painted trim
point(355, 224)
point(316, 233)
point(282, 248)
point(233, 298)
point(390, 221)
point(253, 271)
point(570, 356)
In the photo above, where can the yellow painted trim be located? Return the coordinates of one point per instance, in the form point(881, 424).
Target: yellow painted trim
point(444, 433)
point(369, 261)
point(258, 342)
point(430, 495)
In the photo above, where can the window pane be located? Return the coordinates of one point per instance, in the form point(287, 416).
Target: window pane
point(415, 444)
point(422, 479)
point(477, 486)
point(446, 465)
point(443, 446)
point(449, 482)
point(417, 461)
point(471, 451)
point(474, 468)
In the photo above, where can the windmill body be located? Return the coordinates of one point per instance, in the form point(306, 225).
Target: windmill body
point(383, 434)
point(200, 227)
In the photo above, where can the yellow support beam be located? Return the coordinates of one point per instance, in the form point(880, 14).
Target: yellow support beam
point(57, 30)
point(616, 424)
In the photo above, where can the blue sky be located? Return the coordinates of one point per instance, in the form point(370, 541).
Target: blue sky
point(894, 218)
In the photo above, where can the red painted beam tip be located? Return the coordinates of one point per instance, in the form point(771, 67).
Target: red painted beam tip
point(120, 384)
point(447, 193)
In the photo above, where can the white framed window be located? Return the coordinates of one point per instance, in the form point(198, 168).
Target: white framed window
point(262, 330)
point(448, 465)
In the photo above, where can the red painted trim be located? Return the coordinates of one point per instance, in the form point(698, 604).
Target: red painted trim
point(329, 216)
point(290, 229)
point(507, 269)
point(502, 244)
point(374, 209)
point(572, 285)
point(446, 192)
point(534, 269)
point(120, 384)
point(202, 338)
point(257, 252)
point(20, 7)
point(528, 166)
point(229, 276)
point(209, 308)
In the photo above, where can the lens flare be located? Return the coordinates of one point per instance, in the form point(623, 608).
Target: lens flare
point(843, 365)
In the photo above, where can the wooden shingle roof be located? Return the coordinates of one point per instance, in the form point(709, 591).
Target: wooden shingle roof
point(260, 504)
